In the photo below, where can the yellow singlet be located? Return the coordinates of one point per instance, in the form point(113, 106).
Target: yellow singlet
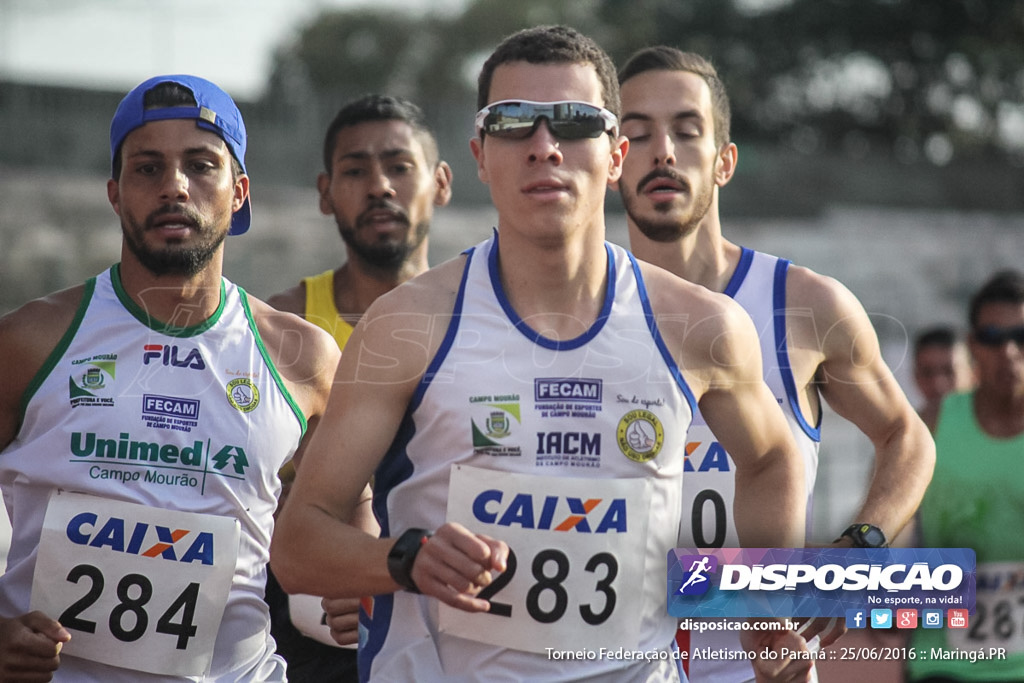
point(321, 311)
point(320, 308)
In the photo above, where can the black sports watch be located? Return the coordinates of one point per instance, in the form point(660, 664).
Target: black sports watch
point(865, 536)
point(403, 554)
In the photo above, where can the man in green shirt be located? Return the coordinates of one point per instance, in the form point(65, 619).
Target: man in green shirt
point(976, 497)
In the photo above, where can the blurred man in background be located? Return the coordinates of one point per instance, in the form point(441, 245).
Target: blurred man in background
point(381, 182)
point(941, 365)
point(976, 498)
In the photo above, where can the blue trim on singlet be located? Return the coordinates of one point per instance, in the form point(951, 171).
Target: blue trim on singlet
point(395, 468)
point(652, 324)
point(533, 335)
point(449, 337)
point(376, 632)
point(782, 352)
point(740, 274)
point(680, 667)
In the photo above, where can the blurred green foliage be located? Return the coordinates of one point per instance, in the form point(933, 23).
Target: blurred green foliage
point(910, 80)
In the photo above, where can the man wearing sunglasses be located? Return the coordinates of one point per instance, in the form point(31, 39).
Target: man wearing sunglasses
point(524, 409)
point(977, 494)
point(816, 340)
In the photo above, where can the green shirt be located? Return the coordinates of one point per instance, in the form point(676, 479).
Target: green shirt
point(975, 500)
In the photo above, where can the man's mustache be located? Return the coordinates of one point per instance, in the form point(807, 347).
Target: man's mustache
point(662, 173)
point(383, 205)
point(191, 217)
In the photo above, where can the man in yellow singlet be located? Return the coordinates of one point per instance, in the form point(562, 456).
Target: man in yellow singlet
point(383, 177)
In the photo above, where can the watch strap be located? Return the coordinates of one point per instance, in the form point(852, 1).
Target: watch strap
point(402, 556)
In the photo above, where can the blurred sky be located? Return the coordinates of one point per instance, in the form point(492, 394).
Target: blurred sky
point(119, 43)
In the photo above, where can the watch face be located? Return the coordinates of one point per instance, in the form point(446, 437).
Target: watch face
point(872, 537)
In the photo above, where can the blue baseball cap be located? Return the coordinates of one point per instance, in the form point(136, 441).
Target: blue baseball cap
point(215, 111)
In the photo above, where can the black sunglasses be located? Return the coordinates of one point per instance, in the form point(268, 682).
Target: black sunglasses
point(990, 335)
point(567, 120)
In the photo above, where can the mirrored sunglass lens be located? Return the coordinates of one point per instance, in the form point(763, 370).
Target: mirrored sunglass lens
point(582, 127)
point(509, 126)
point(570, 121)
point(573, 120)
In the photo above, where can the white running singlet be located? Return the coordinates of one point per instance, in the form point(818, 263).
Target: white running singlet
point(570, 451)
point(759, 285)
point(174, 436)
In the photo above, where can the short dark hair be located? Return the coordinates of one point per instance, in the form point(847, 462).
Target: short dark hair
point(665, 58)
point(376, 107)
point(940, 336)
point(1005, 287)
point(551, 45)
point(163, 96)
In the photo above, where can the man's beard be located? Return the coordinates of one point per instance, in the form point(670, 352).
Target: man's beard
point(665, 228)
point(388, 254)
point(173, 259)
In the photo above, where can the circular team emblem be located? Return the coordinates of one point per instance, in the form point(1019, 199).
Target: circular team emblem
point(243, 394)
point(640, 435)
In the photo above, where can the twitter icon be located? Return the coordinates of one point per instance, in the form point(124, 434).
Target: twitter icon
point(881, 618)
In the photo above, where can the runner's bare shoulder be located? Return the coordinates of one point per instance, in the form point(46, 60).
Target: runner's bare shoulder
point(401, 332)
point(29, 334)
point(303, 353)
point(292, 300)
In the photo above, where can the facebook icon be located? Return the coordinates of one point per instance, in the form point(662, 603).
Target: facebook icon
point(856, 618)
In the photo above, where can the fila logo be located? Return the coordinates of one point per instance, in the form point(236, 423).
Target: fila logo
point(171, 355)
point(138, 538)
point(524, 512)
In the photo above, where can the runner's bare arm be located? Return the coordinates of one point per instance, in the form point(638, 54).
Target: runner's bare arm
point(316, 549)
point(305, 356)
point(716, 345)
point(28, 335)
point(858, 385)
point(30, 643)
point(771, 501)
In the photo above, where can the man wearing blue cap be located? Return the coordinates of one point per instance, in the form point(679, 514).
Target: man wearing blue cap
point(143, 418)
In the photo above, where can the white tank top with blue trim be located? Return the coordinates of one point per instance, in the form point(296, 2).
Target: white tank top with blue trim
point(170, 419)
point(570, 451)
point(759, 285)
